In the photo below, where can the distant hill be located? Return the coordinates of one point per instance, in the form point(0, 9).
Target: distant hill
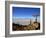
point(21, 21)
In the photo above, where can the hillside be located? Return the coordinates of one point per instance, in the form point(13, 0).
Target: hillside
point(18, 27)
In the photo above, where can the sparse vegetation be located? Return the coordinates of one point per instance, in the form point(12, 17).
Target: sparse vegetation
point(33, 26)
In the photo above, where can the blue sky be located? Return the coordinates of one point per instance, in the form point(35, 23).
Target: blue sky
point(24, 12)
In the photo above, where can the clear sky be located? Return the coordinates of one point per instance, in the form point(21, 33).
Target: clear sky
point(24, 12)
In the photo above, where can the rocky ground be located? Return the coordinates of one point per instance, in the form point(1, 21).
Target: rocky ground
point(33, 26)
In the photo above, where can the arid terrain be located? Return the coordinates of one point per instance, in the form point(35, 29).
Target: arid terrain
point(33, 26)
